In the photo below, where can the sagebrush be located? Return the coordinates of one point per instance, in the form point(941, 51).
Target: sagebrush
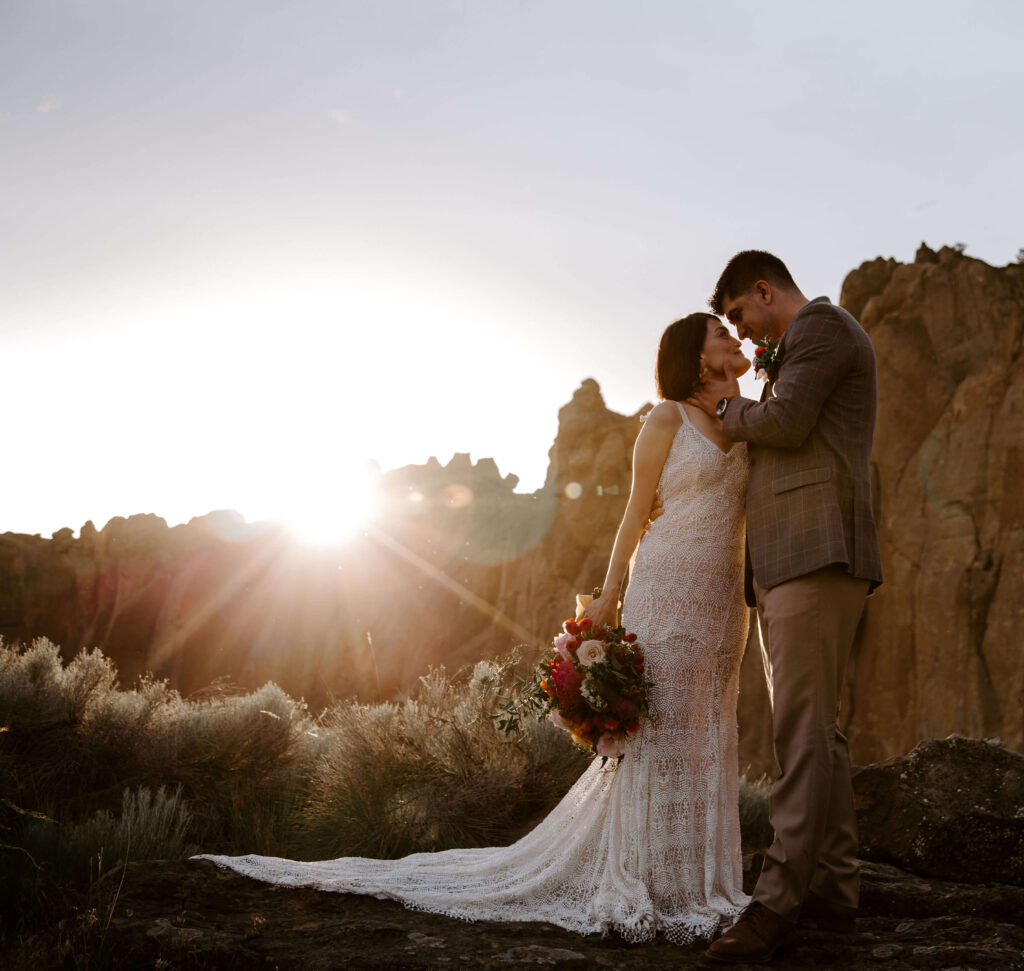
point(92, 775)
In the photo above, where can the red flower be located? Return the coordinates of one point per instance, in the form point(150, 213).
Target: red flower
point(622, 710)
point(758, 351)
point(629, 638)
point(632, 726)
point(585, 625)
point(571, 627)
point(567, 682)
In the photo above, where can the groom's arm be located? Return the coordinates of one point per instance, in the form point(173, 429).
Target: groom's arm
point(818, 352)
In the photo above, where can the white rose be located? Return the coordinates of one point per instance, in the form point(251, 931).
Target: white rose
point(590, 652)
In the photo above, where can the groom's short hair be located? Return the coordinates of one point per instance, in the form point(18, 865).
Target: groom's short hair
point(743, 271)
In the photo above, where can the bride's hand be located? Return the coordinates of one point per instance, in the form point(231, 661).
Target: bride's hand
point(603, 611)
point(657, 508)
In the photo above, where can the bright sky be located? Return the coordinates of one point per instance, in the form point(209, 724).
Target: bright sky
point(246, 245)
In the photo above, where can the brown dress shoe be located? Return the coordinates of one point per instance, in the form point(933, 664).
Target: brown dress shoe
point(754, 938)
point(827, 916)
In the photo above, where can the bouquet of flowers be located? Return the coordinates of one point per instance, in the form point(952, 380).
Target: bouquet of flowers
point(591, 683)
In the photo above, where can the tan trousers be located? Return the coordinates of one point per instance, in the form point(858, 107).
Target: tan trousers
point(807, 628)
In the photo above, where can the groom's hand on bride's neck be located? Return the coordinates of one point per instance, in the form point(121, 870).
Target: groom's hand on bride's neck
point(712, 390)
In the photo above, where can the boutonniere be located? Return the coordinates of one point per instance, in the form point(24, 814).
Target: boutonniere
point(767, 358)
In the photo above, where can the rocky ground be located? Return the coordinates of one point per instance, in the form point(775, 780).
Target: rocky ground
point(948, 814)
point(194, 915)
point(942, 831)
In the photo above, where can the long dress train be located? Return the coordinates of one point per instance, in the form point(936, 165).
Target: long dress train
point(651, 844)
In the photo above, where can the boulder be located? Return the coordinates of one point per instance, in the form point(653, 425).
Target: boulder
point(952, 808)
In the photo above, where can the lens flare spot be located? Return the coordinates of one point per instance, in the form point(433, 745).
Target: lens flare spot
point(456, 496)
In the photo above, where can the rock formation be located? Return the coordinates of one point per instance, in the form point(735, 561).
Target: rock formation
point(941, 645)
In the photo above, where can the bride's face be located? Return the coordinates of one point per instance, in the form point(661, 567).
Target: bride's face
point(720, 346)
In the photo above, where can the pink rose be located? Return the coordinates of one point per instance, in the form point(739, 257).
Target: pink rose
point(610, 747)
point(560, 721)
point(562, 643)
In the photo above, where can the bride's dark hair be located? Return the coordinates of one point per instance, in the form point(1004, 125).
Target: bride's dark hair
point(678, 369)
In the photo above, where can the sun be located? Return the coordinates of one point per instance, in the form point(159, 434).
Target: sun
point(328, 513)
point(321, 505)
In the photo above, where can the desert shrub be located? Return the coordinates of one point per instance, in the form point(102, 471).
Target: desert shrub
point(37, 689)
point(432, 772)
point(72, 741)
point(152, 826)
point(42, 702)
point(243, 761)
point(30, 680)
point(117, 730)
point(55, 861)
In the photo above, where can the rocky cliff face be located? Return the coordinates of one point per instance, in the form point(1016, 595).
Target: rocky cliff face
point(941, 644)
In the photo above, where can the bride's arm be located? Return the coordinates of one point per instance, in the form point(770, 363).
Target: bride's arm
point(649, 453)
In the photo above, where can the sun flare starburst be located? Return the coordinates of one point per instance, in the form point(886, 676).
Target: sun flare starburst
point(327, 510)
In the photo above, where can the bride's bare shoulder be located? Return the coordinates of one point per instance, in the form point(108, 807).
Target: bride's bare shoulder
point(664, 416)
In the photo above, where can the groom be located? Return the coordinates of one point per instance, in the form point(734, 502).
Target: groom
point(813, 558)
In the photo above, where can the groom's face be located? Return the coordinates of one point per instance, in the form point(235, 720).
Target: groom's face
point(749, 314)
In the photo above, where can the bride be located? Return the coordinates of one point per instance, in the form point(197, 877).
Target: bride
point(651, 844)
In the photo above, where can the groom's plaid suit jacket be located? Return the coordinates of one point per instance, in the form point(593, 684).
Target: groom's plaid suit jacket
point(809, 494)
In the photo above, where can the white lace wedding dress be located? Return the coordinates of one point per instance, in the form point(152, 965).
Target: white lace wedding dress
point(651, 844)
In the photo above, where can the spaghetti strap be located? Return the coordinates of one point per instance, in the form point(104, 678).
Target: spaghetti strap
point(687, 420)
